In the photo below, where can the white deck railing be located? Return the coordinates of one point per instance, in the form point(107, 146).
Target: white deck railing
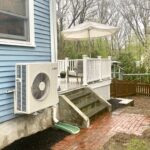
point(106, 68)
point(94, 69)
point(61, 66)
point(66, 63)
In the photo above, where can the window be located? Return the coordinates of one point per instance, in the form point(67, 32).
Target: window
point(15, 22)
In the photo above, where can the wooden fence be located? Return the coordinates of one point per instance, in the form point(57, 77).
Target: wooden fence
point(143, 89)
point(123, 88)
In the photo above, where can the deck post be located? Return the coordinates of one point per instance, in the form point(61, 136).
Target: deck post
point(85, 69)
point(66, 68)
point(100, 67)
point(66, 64)
point(109, 67)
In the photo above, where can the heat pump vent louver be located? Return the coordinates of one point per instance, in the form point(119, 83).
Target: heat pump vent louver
point(18, 71)
point(36, 87)
point(18, 95)
point(23, 88)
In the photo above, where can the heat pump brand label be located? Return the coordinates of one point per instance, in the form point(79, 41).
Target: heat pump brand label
point(54, 68)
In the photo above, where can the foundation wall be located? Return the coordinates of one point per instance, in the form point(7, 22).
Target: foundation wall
point(24, 126)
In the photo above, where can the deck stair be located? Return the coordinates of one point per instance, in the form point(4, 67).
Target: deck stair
point(81, 104)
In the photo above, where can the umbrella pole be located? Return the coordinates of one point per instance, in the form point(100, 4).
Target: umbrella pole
point(89, 41)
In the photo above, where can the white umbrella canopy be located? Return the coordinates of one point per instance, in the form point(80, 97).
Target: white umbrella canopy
point(89, 30)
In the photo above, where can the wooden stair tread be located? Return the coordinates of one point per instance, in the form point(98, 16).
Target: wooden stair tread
point(79, 94)
point(92, 112)
point(82, 105)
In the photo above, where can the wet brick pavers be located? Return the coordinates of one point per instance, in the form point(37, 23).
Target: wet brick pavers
point(102, 129)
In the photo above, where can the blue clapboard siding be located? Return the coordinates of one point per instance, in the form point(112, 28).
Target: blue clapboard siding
point(10, 55)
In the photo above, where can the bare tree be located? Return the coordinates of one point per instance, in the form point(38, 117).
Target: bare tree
point(79, 11)
point(136, 15)
point(105, 11)
point(85, 8)
point(129, 15)
point(62, 10)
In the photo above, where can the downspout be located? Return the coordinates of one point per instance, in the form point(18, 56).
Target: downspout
point(53, 40)
point(54, 113)
point(53, 31)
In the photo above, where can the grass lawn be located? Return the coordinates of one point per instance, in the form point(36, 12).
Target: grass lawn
point(123, 141)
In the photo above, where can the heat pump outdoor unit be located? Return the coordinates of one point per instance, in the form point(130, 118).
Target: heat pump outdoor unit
point(36, 87)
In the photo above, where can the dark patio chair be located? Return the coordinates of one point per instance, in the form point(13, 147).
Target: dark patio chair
point(79, 70)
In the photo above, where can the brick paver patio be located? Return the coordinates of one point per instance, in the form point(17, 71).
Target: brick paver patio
point(102, 129)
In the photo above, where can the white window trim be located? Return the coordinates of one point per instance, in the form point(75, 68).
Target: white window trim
point(30, 43)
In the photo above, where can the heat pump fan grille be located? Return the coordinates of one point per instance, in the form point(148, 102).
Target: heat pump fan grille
point(40, 86)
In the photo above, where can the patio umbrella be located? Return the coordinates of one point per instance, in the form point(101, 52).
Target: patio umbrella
point(89, 30)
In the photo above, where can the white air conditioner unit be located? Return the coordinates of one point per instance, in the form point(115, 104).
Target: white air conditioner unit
point(36, 87)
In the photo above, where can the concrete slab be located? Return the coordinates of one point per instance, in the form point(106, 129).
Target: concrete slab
point(125, 101)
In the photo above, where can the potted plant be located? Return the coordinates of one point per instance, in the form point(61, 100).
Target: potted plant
point(62, 74)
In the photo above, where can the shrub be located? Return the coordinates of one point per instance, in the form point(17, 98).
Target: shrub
point(137, 144)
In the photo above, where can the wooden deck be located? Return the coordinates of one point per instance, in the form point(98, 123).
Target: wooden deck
point(64, 85)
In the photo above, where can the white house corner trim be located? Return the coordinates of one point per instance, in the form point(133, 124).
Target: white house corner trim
point(31, 21)
point(53, 30)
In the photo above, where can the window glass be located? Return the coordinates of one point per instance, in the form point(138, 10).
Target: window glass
point(14, 21)
point(11, 25)
point(14, 6)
